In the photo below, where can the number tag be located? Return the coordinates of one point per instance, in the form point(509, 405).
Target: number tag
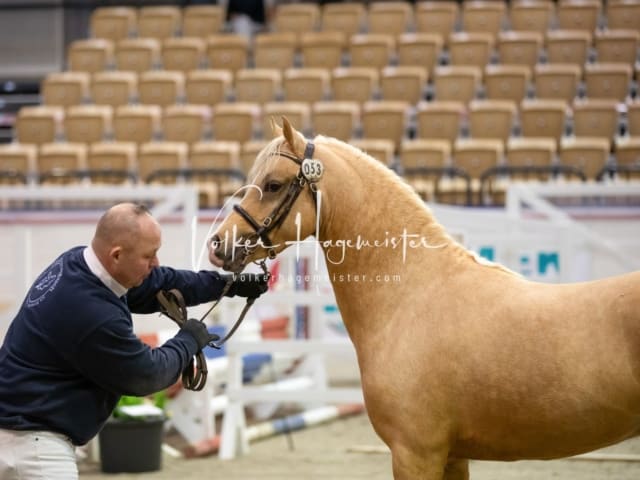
point(312, 169)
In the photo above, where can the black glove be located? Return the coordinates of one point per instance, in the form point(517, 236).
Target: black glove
point(249, 285)
point(199, 332)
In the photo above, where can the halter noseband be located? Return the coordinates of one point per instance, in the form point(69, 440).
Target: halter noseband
point(280, 212)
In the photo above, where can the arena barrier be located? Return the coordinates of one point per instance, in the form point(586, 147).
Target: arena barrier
point(531, 235)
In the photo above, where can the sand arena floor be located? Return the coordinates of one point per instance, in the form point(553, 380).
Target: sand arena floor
point(325, 452)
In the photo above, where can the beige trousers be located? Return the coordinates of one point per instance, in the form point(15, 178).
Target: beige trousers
point(36, 455)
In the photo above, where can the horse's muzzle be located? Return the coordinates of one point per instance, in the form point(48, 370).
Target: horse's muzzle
point(229, 257)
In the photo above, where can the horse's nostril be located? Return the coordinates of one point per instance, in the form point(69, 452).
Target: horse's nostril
point(215, 241)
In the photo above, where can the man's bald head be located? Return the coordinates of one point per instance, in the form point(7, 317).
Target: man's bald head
point(121, 225)
point(126, 242)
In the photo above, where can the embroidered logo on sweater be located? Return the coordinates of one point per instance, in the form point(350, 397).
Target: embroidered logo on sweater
point(45, 283)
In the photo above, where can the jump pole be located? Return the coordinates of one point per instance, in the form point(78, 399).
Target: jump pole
point(290, 423)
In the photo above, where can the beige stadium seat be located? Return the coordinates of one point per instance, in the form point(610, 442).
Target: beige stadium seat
point(298, 114)
point(386, 119)
point(519, 48)
point(345, 17)
point(227, 51)
point(456, 82)
point(114, 88)
point(557, 81)
point(440, 120)
point(186, 123)
point(543, 118)
point(17, 162)
point(216, 154)
point(424, 153)
point(587, 154)
point(578, 14)
point(322, 49)
point(633, 117)
point(249, 150)
point(436, 17)
point(296, 17)
point(258, 85)
point(61, 162)
point(623, 14)
point(159, 21)
point(530, 158)
point(405, 83)
point(568, 46)
point(379, 148)
point(507, 82)
point(65, 88)
point(183, 53)
point(113, 23)
point(470, 48)
point(337, 119)
point(627, 152)
point(419, 49)
point(208, 87)
point(274, 50)
point(357, 84)
point(88, 123)
point(608, 80)
point(137, 123)
point(223, 157)
point(371, 50)
point(161, 87)
point(476, 157)
point(531, 15)
point(418, 155)
point(236, 122)
point(491, 118)
point(483, 16)
point(306, 84)
point(90, 55)
point(162, 162)
point(138, 54)
point(112, 162)
point(595, 118)
point(202, 20)
point(617, 46)
point(390, 17)
point(39, 124)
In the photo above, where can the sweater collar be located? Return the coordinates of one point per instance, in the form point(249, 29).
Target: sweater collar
point(99, 271)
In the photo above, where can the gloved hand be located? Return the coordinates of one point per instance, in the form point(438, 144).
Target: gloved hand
point(199, 332)
point(249, 285)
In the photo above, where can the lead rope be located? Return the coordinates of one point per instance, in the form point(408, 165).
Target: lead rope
point(194, 376)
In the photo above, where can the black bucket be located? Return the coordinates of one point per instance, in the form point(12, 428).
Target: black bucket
point(131, 446)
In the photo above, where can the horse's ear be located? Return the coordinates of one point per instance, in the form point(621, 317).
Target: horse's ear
point(294, 139)
point(275, 128)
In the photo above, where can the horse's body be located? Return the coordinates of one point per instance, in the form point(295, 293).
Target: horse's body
point(459, 359)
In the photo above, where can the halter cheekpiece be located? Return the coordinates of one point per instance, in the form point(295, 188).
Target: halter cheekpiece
point(310, 172)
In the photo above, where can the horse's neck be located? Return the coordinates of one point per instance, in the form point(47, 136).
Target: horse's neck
point(395, 242)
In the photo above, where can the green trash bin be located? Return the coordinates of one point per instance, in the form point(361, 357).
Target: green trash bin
point(131, 445)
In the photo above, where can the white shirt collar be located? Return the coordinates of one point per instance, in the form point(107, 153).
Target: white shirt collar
point(99, 271)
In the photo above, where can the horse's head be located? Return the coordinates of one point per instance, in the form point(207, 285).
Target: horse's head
point(278, 206)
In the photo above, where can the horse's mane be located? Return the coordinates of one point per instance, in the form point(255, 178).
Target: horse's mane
point(412, 201)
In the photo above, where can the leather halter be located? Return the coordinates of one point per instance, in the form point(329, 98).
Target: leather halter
point(280, 212)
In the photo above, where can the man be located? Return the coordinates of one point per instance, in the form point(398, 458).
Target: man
point(71, 352)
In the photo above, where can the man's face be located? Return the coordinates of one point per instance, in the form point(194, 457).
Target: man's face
point(138, 256)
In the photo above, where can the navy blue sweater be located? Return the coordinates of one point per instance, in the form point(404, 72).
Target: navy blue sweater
point(71, 352)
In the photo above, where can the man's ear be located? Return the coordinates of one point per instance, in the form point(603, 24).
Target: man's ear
point(294, 138)
point(115, 254)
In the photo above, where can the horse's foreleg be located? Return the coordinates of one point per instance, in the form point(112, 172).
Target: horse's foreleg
point(407, 465)
point(456, 470)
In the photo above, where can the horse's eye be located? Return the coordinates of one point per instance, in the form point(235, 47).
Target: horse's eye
point(272, 186)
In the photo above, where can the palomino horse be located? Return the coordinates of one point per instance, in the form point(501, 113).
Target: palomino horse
point(460, 359)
